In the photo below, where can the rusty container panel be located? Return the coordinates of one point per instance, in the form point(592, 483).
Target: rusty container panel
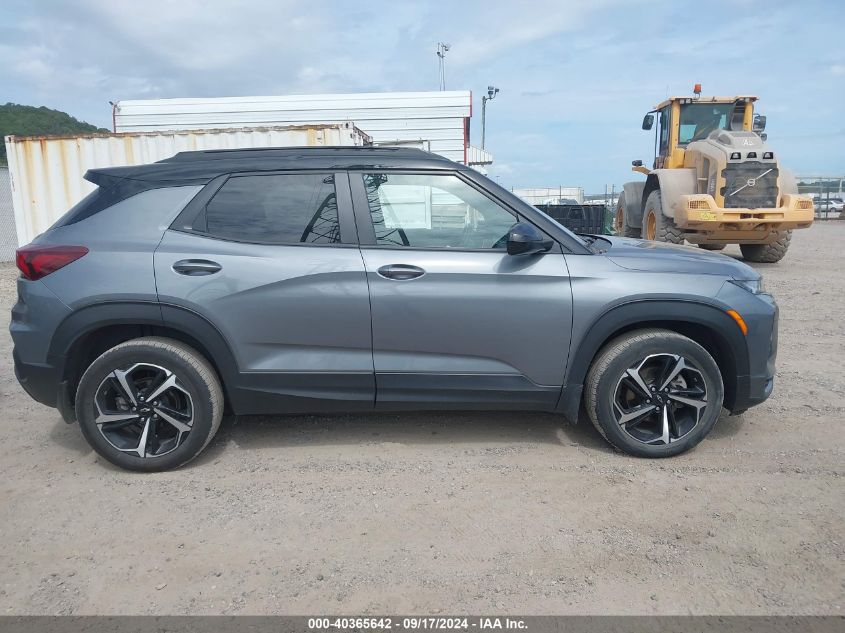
point(46, 172)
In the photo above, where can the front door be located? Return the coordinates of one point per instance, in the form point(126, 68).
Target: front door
point(271, 261)
point(457, 322)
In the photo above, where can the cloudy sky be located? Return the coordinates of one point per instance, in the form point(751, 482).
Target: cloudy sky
point(575, 77)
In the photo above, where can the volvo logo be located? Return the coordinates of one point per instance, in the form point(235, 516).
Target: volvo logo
point(751, 182)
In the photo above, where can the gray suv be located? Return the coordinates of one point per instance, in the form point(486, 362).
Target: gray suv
point(296, 280)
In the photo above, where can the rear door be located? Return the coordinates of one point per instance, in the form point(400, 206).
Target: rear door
point(271, 261)
point(457, 322)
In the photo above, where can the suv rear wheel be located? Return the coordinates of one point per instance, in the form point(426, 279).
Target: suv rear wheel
point(653, 393)
point(149, 404)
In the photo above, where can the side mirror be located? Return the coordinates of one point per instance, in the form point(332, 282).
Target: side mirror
point(648, 121)
point(759, 123)
point(525, 239)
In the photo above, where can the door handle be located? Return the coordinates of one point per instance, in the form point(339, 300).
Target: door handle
point(196, 267)
point(400, 272)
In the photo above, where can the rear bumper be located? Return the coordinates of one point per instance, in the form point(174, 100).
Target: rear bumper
point(43, 384)
point(714, 224)
point(39, 381)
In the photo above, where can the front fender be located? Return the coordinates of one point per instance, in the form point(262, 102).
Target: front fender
point(698, 320)
point(673, 183)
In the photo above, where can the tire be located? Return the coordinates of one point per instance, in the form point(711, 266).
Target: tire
point(767, 253)
point(651, 350)
point(712, 247)
point(620, 223)
point(154, 435)
point(657, 226)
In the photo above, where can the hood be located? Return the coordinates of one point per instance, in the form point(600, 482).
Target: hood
point(649, 256)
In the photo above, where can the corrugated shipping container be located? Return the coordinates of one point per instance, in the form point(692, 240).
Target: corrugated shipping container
point(440, 118)
point(550, 195)
point(47, 171)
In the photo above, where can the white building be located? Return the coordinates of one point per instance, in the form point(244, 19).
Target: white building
point(435, 121)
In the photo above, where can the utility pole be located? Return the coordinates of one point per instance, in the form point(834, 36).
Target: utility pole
point(492, 91)
point(442, 49)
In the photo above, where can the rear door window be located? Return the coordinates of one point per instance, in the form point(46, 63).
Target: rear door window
point(275, 209)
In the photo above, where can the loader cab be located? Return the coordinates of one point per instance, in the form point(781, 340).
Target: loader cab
point(679, 121)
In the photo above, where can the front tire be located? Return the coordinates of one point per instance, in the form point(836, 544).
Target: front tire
point(653, 393)
point(149, 404)
point(767, 253)
point(656, 225)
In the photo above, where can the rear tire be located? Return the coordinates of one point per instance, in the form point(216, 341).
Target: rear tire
point(149, 404)
point(656, 225)
point(712, 247)
point(767, 253)
point(620, 221)
point(675, 416)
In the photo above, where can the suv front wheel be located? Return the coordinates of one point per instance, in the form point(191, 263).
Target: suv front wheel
point(653, 393)
point(149, 404)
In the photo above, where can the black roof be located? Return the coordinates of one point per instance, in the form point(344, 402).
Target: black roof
point(202, 166)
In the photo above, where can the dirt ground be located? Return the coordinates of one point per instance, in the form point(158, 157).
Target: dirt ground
point(450, 513)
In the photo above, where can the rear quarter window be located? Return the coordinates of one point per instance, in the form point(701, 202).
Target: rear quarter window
point(102, 198)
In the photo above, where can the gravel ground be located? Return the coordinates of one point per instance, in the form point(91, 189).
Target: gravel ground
point(473, 513)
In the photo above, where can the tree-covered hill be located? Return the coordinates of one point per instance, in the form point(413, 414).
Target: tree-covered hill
point(23, 120)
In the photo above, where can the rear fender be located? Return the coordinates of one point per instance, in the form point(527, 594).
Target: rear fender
point(633, 192)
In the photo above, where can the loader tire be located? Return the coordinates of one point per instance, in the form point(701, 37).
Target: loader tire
point(767, 253)
point(620, 224)
point(656, 225)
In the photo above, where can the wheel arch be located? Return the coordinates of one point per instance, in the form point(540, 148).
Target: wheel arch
point(672, 184)
point(90, 331)
point(708, 325)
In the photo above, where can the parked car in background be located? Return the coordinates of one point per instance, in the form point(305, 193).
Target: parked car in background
point(270, 281)
point(825, 205)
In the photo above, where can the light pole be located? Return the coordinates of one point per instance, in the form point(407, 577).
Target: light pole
point(492, 91)
point(442, 49)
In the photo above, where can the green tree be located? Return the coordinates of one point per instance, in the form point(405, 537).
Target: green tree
point(23, 120)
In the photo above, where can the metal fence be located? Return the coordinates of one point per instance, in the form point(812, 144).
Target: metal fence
point(8, 234)
point(827, 193)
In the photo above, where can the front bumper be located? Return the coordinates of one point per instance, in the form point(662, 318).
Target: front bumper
point(712, 224)
point(761, 315)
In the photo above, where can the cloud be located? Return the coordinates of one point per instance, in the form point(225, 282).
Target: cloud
point(575, 76)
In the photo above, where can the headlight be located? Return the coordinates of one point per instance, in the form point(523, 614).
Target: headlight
point(754, 286)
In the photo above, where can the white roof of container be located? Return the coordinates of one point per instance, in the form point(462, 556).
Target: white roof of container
point(436, 117)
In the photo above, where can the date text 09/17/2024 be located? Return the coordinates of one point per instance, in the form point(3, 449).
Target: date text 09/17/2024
point(416, 623)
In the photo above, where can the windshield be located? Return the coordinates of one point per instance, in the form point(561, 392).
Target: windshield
point(699, 119)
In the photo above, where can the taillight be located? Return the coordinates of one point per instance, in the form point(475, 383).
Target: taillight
point(36, 262)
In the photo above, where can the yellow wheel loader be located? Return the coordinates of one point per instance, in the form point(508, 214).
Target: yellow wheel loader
point(715, 181)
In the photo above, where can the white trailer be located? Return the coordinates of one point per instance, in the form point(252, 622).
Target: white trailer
point(46, 172)
point(438, 121)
